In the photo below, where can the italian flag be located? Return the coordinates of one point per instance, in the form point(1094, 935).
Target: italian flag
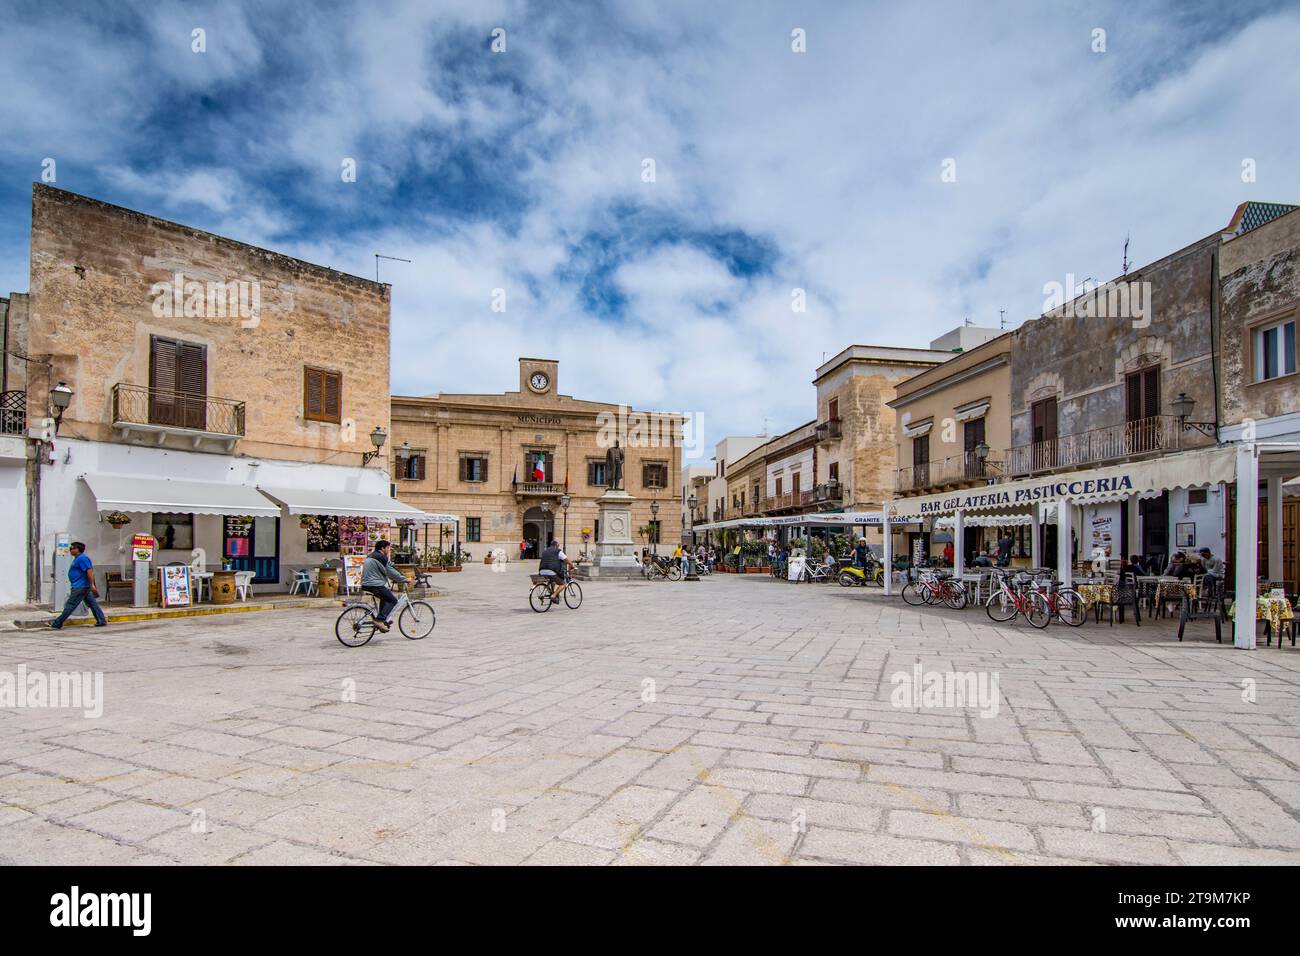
point(539, 468)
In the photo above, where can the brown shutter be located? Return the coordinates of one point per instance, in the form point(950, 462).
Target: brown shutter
point(162, 381)
point(312, 392)
point(192, 377)
point(332, 401)
point(1133, 397)
point(1151, 391)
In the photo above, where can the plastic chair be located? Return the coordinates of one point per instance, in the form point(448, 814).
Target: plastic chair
point(243, 584)
point(302, 580)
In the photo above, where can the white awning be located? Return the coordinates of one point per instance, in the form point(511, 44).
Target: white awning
point(974, 410)
point(984, 521)
point(347, 504)
point(916, 431)
point(838, 519)
point(172, 496)
point(1117, 482)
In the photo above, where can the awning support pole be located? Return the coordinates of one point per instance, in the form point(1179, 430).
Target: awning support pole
point(1064, 546)
point(958, 542)
point(1036, 539)
point(1247, 557)
point(888, 551)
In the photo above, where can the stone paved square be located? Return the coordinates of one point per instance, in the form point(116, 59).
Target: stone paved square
point(737, 720)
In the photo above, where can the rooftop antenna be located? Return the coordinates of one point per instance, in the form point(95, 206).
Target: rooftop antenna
point(765, 426)
point(1126, 238)
point(378, 256)
point(966, 321)
point(1002, 318)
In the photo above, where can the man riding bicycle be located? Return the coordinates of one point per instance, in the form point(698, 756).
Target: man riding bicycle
point(375, 575)
point(555, 564)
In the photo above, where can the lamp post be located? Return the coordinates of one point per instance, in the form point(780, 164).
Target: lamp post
point(565, 499)
point(691, 502)
point(546, 518)
point(654, 523)
point(377, 438)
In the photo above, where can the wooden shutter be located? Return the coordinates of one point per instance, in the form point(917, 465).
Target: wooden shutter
point(1151, 391)
point(415, 468)
point(162, 381)
point(313, 391)
point(332, 401)
point(833, 409)
point(192, 377)
point(1133, 397)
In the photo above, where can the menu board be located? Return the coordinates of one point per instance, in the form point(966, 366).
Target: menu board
point(238, 531)
point(352, 569)
point(174, 585)
point(353, 535)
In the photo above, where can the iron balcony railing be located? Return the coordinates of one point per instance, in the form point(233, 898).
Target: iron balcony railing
point(830, 491)
point(831, 428)
point(1145, 436)
point(539, 488)
point(138, 405)
point(955, 469)
point(13, 413)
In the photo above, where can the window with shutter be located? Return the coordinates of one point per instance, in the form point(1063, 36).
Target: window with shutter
point(322, 395)
point(178, 383)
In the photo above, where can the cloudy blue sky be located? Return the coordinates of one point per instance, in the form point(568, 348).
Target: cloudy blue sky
point(775, 170)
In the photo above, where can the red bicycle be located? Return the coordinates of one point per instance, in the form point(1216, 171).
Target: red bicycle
point(930, 588)
point(1007, 601)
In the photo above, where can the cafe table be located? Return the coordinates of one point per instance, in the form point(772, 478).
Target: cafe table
point(1276, 611)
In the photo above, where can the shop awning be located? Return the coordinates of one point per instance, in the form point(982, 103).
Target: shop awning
point(170, 495)
point(985, 521)
point(346, 504)
point(1190, 469)
point(428, 518)
point(837, 519)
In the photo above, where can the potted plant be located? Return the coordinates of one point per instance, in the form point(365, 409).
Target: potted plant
point(118, 519)
point(430, 561)
point(450, 561)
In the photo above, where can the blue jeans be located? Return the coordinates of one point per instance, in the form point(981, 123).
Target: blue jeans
point(387, 601)
point(75, 597)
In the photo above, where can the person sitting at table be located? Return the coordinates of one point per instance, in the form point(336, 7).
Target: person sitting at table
point(982, 560)
point(1175, 564)
point(1213, 566)
point(1133, 566)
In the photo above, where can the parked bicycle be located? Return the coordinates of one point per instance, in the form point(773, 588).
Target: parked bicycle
point(659, 568)
point(543, 594)
point(358, 622)
point(1064, 604)
point(934, 588)
point(1018, 597)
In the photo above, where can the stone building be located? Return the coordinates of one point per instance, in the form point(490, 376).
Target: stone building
point(201, 375)
point(505, 463)
point(1259, 388)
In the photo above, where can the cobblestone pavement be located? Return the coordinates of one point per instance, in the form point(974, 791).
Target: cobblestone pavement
point(734, 720)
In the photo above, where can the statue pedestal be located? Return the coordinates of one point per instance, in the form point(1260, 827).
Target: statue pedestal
point(616, 552)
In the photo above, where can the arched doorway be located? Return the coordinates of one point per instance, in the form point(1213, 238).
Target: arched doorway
point(539, 527)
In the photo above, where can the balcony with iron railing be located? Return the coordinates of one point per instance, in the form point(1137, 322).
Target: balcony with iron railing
point(538, 489)
point(1145, 436)
point(954, 470)
point(829, 429)
point(13, 413)
point(162, 412)
point(830, 491)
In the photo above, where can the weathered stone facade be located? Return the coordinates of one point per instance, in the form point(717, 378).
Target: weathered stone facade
point(502, 430)
point(101, 277)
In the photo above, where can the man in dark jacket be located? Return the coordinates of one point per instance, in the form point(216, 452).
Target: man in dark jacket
point(375, 575)
point(555, 563)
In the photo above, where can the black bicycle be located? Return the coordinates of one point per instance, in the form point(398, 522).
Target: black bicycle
point(542, 595)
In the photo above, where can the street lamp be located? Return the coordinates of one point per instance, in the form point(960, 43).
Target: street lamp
point(546, 517)
point(377, 438)
point(654, 522)
point(1182, 408)
point(60, 398)
point(565, 499)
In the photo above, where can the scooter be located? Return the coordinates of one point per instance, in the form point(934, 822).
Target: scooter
point(850, 575)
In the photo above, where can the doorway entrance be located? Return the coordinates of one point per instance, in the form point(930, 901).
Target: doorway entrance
point(539, 527)
point(253, 544)
point(1155, 529)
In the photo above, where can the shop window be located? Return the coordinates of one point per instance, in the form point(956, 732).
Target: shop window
point(175, 532)
point(1198, 496)
point(322, 533)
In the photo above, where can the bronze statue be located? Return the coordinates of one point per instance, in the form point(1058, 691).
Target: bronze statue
point(614, 468)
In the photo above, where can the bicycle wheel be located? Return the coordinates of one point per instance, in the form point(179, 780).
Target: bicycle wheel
point(1000, 607)
point(1070, 608)
point(1037, 611)
point(355, 626)
point(954, 595)
point(573, 596)
point(933, 594)
point(913, 595)
point(416, 620)
point(675, 573)
point(539, 598)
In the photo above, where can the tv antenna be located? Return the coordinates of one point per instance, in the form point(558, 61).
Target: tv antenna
point(1002, 318)
point(1125, 267)
point(378, 256)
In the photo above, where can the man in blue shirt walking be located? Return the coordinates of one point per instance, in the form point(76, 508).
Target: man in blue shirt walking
point(81, 576)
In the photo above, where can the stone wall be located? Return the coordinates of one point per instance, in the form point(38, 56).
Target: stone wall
point(98, 279)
